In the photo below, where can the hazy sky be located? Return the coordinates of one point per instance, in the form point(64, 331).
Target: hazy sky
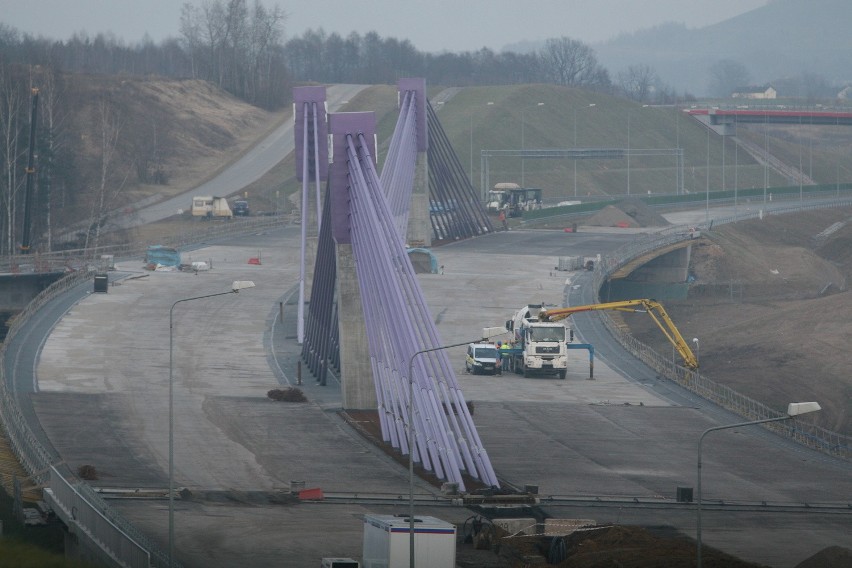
point(431, 25)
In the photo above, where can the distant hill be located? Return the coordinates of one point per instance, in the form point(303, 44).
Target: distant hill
point(783, 39)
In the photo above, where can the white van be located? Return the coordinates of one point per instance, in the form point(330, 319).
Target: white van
point(481, 359)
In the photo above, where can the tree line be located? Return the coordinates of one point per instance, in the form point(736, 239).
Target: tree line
point(238, 46)
point(241, 48)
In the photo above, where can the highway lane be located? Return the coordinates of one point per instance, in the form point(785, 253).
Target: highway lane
point(102, 377)
point(244, 171)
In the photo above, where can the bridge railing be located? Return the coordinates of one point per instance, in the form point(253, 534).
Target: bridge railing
point(812, 436)
point(205, 231)
point(118, 538)
point(74, 504)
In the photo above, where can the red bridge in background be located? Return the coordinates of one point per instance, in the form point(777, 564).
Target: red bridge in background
point(776, 115)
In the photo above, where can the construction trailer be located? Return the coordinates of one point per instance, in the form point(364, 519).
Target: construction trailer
point(387, 542)
point(208, 206)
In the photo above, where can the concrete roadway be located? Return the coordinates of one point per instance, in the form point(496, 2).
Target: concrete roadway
point(247, 169)
point(103, 391)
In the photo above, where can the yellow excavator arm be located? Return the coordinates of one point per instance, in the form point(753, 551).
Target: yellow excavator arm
point(652, 307)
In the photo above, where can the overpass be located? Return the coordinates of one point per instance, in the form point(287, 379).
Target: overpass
point(772, 115)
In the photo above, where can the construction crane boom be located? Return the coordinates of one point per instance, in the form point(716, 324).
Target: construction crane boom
point(652, 307)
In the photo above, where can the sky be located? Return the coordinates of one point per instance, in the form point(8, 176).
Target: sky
point(430, 25)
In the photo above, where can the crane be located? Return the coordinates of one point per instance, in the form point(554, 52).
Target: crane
point(28, 195)
point(652, 307)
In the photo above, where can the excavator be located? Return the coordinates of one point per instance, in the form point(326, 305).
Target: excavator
point(652, 307)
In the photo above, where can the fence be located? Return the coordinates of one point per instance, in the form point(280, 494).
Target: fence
point(120, 541)
point(81, 259)
point(125, 545)
point(812, 436)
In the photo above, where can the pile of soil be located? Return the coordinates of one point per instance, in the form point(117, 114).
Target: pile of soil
point(831, 557)
point(628, 213)
point(625, 546)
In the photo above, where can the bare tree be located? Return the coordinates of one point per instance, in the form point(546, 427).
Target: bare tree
point(233, 46)
point(726, 76)
point(10, 109)
point(570, 62)
point(638, 82)
point(110, 130)
point(53, 118)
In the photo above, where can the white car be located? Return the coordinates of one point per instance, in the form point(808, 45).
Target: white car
point(482, 358)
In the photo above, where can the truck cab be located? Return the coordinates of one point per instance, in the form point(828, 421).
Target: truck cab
point(541, 346)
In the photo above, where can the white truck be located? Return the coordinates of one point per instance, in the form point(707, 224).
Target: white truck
point(540, 347)
point(208, 207)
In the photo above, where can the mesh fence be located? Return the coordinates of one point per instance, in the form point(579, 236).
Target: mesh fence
point(812, 436)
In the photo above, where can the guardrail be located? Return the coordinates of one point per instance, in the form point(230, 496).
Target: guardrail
point(816, 437)
point(73, 506)
point(80, 259)
point(121, 543)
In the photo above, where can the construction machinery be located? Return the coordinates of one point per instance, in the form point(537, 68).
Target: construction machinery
point(652, 307)
point(513, 199)
point(540, 347)
point(209, 207)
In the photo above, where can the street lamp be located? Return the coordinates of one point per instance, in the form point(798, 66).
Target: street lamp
point(793, 409)
point(697, 349)
point(482, 189)
point(235, 288)
point(488, 333)
point(628, 147)
point(575, 146)
point(707, 191)
point(523, 144)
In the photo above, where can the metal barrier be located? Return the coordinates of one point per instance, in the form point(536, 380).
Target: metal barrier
point(812, 436)
point(75, 509)
point(127, 546)
point(80, 259)
point(120, 541)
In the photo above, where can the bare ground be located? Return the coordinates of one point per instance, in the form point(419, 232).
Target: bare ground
point(771, 307)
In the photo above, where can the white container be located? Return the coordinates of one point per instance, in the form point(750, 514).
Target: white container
point(340, 563)
point(387, 542)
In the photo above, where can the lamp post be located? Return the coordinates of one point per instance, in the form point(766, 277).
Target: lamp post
point(235, 288)
point(765, 155)
point(707, 191)
point(793, 409)
point(591, 105)
point(697, 349)
point(411, 433)
point(628, 147)
point(482, 189)
point(523, 142)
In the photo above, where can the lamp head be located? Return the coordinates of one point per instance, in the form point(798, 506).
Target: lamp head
point(796, 408)
point(241, 285)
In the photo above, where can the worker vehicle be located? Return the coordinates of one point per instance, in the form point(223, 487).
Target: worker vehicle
point(540, 346)
point(481, 359)
point(241, 208)
point(512, 199)
point(652, 307)
point(210, 207)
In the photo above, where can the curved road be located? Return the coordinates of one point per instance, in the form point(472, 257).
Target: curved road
point(102, 391)
point(103, 380)
point(246, 170)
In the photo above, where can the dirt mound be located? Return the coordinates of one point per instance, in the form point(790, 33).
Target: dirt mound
point(631, 213)
point(831, 557)
point(771, 306)
point(164, 135)
point(626, 546)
